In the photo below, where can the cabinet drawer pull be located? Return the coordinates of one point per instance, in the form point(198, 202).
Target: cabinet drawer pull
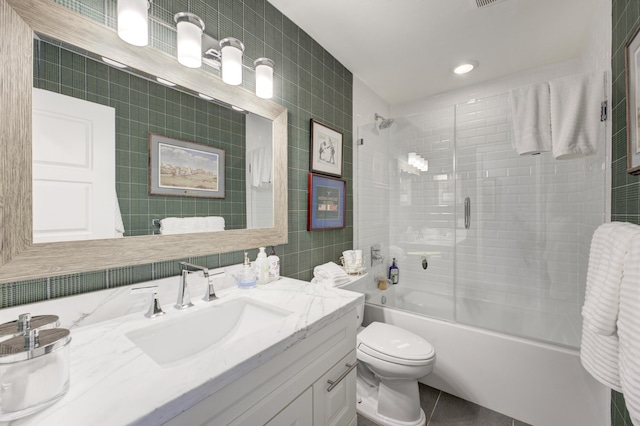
point(333, 384)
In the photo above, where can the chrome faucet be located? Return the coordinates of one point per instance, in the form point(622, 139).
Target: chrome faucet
point(184, 298)
point(154, 307)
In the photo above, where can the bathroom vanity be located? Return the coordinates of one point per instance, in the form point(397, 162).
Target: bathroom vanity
point(279, 353)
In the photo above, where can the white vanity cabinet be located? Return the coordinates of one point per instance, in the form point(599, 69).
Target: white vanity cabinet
point(292, 387)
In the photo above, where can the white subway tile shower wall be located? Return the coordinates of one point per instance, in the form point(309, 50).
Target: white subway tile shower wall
point(525, 252)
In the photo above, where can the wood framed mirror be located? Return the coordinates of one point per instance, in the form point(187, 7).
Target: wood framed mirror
point(20, 259)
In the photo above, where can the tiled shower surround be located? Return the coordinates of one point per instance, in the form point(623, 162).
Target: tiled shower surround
point(521, 266)
point(309, 82)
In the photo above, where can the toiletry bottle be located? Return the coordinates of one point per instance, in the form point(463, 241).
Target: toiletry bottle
point(274, 265)
point(247, 277)
point(262, 267)
point(394, 272)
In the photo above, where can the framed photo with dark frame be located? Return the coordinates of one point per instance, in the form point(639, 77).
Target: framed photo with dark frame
point(327, 203)
point(632, 64)
point(326, 150)
point(187, 169)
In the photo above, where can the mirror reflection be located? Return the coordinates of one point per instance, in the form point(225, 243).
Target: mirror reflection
point(91, 157)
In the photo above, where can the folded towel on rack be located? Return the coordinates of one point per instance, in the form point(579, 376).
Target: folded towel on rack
point(190, 225)
point(330, 274)
point(531, 116)
point(629, 329)
point(575, 115)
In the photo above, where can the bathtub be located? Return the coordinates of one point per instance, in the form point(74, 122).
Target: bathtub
point(538, 383)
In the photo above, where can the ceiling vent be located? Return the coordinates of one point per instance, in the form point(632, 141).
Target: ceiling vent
point(484, 3)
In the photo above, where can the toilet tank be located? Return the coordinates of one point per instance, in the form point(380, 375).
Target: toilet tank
point(358, 284)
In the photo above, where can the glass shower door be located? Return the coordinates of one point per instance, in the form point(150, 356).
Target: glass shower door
point(517, 266)
point(414, 208)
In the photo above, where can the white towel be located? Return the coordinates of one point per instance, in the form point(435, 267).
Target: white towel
point(575, 114)
point(601, 348)
point(256, 167)
point(531, 116)
point(629, 330)
point(609, 246)
point(266, 166)
point(330, 274)
point(189, 225)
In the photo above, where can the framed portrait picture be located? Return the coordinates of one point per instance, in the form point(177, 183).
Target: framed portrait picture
point(187, 169)
point(327, 203)
point(632, 63)
point(326, 150)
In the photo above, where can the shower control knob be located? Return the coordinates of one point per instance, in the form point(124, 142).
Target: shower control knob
point(425, 264)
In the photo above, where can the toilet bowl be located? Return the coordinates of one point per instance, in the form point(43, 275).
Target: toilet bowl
point(390, 362)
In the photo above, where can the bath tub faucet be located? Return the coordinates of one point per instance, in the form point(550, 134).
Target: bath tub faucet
point(184, 298)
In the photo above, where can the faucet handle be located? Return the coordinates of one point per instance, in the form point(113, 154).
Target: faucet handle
point(154, 307)
point(210, 293)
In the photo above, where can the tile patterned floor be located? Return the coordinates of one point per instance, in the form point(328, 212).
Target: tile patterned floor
point(443, 409)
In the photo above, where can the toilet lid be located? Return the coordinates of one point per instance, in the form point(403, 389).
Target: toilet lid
point(386, 341)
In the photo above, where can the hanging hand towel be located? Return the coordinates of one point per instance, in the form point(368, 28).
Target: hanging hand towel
point(629, 329)
point(609, 247)
point(531, 118)
point(575, 115)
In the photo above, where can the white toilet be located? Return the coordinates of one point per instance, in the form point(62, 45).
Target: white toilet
point(391, 360)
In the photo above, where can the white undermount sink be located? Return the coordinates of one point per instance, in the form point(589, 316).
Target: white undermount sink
point(171, 339)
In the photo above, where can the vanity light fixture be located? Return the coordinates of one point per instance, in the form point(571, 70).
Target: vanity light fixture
point(231, 50)
point(264, 77)
point(189, 28)
point(133, 21)
point(465, 67)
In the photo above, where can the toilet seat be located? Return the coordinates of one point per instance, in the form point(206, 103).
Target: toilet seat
point(393, 344)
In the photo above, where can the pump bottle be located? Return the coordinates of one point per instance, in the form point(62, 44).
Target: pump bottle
point(394, 272)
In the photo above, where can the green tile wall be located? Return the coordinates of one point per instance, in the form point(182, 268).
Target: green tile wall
point(144, 106)
point(308, 81)
point(625, 188)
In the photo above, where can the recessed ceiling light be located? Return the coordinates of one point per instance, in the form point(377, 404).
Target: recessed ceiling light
point(112, 62)
point(165, 82)
point(465, 67)
point(203, 96)
point(237, 108)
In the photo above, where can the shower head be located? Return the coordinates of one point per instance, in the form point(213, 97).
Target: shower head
point(386, 122)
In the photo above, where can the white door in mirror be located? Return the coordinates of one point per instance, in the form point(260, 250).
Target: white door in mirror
point(73, 169)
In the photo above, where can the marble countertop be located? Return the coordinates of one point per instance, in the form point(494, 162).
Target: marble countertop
point(114, 382)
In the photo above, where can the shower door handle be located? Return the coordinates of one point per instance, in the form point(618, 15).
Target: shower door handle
point(467, 213)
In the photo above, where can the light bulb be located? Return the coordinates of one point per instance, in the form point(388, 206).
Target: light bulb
point(231, 50)
point(264, 77)
point(133, 21)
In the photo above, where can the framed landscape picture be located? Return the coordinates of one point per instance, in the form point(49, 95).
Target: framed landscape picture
point(326, 150)
point(182, 168)
point(326, 203)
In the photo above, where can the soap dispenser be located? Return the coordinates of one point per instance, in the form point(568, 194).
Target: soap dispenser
point(274, 265)
point(247, 276)
point(262, 267)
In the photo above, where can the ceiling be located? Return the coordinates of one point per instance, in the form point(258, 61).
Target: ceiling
point(404, 50)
